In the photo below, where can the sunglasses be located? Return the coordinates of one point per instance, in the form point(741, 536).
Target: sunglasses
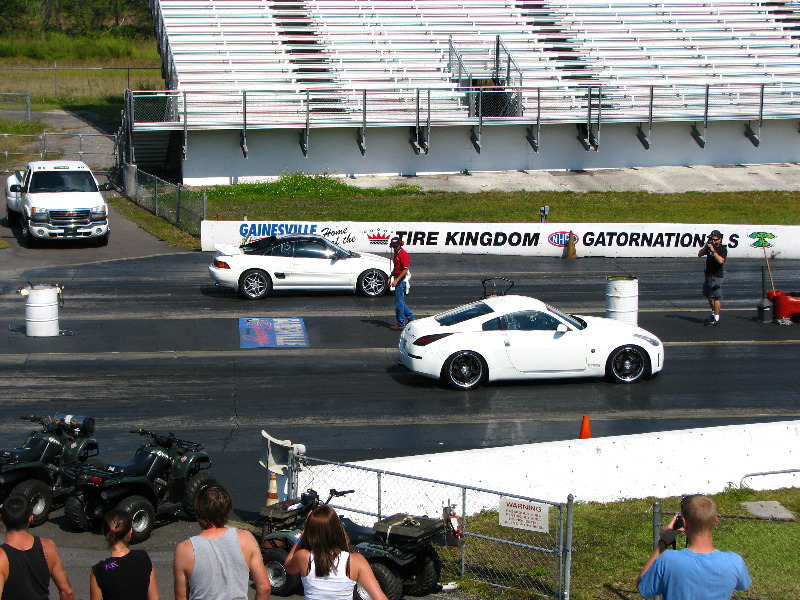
point(715, 239)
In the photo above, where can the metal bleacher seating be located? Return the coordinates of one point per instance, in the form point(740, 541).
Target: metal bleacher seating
point(315, 58)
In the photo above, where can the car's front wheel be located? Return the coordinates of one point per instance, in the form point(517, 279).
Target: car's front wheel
point(372, 283)
point(465, 370)
point(254, 284)
point(31, 241)
point(627, 364)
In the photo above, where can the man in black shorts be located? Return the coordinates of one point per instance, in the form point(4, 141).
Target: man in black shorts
point(716, 253)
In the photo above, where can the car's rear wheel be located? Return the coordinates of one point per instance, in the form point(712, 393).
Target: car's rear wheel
point(465, 370)
point(255, 284)
point(627, 364)
point(372, 283)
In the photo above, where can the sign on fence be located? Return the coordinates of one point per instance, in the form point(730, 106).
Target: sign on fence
point(521, 514)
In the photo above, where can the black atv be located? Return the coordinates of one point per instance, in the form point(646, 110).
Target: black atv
point(163, 473)
point(399, 548)
point(33, 469)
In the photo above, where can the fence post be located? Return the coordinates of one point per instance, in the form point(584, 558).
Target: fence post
point(657, 516)
point(380, 511)
point(28, 106)
point(205, 199)
point(568, 549)
point(155, 197)
point(464, 530)
point(178, 207)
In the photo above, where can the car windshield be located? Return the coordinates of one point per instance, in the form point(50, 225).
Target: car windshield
point(340, 250)
point(463, 313)
point(576, 322)
point(62, 181)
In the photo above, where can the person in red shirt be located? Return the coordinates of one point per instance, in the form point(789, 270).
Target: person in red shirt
point(399, 281)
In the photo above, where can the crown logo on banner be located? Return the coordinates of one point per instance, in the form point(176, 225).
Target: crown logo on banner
point(379, 238)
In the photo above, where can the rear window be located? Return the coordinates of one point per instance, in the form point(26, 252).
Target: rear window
point(463, 313)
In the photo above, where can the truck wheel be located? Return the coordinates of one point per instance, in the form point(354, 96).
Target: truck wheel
point(40, 495)
point(84, 514)
point(102, 240)
point(283, 583)
point(12, 217)
point(31, 241)
point(389, 580)
point(197, 482)
point(428, 575)
point(143, 516)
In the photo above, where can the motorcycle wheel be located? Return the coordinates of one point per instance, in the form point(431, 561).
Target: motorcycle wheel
point(283, 583)
point(83, 513)
point(389, 580)
point(197, 482)
point(428, 576)
point(40, 495)
point(142, 514)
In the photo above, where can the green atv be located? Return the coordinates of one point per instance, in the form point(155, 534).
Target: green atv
point(164, 473)
point(34, 469)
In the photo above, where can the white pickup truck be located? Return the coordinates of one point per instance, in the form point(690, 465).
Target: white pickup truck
point(57, 199)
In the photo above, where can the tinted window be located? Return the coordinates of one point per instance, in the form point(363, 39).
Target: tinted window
point(492, 325)
point(531, 320)
point(311, 249)
point(284, 250)
point(463, 313)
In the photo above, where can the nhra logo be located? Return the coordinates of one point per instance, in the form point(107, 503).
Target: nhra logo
point(561, 238)
point(378, 238)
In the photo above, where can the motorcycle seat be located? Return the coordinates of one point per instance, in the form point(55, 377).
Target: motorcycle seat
point(37, 450)
point(146, 464)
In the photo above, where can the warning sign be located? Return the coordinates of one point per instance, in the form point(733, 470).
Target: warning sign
point(521, 514)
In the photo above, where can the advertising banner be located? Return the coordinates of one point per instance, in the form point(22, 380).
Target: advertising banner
point(523, 239)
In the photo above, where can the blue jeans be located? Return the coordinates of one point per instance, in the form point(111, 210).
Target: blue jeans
point(401, 311)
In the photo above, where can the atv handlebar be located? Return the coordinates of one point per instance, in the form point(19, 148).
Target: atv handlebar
point(167, 441)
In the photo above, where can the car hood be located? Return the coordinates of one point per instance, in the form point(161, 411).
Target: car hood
point(596, 325)
point(66, 200)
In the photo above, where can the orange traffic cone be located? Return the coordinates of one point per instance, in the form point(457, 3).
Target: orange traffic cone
point(586, 429)
point(571, 252)
point(272, 492)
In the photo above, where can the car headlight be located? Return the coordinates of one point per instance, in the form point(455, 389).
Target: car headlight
point(38, 214)
point(99, 213)
point(649, 339)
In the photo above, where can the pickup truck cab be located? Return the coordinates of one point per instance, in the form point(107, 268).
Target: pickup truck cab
point(57, 199)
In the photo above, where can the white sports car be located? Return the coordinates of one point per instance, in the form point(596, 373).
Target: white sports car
point(516, 337)
point(300, 262)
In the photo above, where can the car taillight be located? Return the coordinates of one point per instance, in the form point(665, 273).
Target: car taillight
point(429, 339)
point(94, 479)
point(220, 264)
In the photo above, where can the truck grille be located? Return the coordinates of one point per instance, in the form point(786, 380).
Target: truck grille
point(70, 218)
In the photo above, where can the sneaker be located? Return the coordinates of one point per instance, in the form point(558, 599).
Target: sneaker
point(396, 327)
point(710, 320)
point(712, 323)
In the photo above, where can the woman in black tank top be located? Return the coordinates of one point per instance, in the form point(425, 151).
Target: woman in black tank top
point(127, 574)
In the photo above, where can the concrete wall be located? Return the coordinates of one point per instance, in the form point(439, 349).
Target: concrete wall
point(215, 157)
point(657, 465)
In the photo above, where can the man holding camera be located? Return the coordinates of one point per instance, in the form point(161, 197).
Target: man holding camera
point(699, 571)
point(716, 253)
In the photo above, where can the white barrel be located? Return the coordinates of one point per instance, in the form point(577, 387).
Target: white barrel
point(622, 299)
point(41, 311)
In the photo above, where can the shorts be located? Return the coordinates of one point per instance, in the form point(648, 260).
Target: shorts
point(712, 287)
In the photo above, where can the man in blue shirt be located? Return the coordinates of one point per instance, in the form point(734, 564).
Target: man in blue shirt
point(699, 571)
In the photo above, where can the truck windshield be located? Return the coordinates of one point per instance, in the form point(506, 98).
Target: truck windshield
point(64, 181)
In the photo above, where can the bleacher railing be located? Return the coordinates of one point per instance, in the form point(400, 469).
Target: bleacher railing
point(323, 107)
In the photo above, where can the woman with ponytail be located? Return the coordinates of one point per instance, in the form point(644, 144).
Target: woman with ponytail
point(127, 574)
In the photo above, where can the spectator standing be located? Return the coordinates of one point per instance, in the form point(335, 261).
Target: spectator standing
point(127, 574)
point(218, 563)
point(399, 281)
point(716, 254)
point(699, 571)
point(28, 562)
point(322, 558)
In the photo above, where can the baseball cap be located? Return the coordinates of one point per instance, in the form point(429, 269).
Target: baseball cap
point(395, 242)
point(716, 233)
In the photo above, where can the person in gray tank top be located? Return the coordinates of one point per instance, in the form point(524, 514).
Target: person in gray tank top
point(218, 563)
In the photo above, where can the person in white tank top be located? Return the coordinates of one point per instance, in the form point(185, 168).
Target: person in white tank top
point(322, 558)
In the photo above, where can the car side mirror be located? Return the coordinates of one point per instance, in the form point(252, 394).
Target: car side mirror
point(16, 188)
point(562, 328)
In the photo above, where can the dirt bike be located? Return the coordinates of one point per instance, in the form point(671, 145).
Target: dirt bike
point(398, 548)
point(163, 473)
point(33, 469)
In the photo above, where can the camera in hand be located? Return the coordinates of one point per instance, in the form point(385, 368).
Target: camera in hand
point(678, 523)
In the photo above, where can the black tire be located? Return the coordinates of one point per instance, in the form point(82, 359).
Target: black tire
point(465, 370)
point(102, 240)
point(31, 241)
point(84, 513)
point(283, 583)
point(254, 284)
point(142, 514)
point(428, 575)
point(197, 482)
point(389, 580)
point(372, 283)
point(40, 495)
point(12, 217)
point(627, 364)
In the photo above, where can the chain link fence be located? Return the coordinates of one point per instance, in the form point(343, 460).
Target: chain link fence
point(763, 542)
point(98, 150)
point(172, 202)
point(534, 561)
point(16, 102)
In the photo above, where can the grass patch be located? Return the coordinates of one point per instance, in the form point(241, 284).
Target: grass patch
point(154, 225)
point(611, 541)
